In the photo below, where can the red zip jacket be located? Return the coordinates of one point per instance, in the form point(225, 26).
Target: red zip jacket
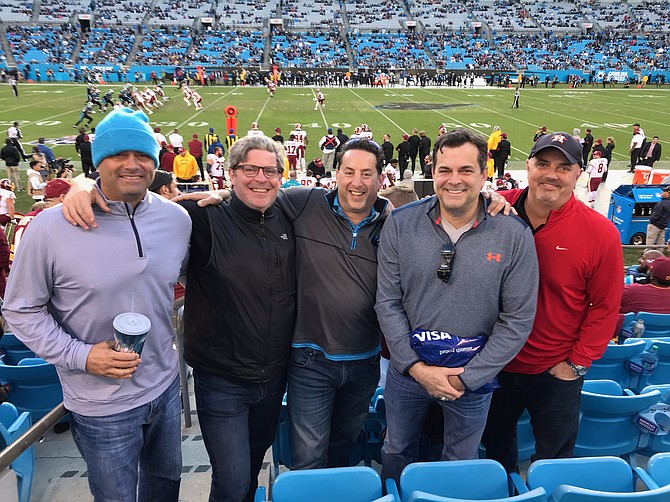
point(581, 282)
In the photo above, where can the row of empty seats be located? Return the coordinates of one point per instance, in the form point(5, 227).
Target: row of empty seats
point(560, 480)
point(507, 15)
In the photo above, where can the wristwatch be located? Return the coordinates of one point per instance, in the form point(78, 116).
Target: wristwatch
point(579, 370)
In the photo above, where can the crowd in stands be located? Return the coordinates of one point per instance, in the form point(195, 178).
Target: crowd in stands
point(438, 15)
point(531, 36)
point(165, 45)
point(229, 47)
point(309, 49)
point(106, 45)
point(44, 44)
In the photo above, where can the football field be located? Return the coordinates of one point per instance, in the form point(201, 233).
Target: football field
point(50, 110)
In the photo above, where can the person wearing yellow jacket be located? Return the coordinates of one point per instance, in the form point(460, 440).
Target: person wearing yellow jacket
point(185, 167)
point(492, 145)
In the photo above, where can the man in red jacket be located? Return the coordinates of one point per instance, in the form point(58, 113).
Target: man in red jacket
point(581, 281)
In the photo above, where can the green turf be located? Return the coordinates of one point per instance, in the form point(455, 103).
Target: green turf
point(50, 110)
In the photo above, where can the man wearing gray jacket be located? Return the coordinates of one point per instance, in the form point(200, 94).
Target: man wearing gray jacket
point(455, 301)
point(66, 290)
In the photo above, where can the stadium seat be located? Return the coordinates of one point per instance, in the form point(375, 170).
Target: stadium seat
point(658, 468)
point(537, 495)
point(661, 374)
point(612, 364)
point(12, 426)
point(568, 493)
point(606, 474)
point(655, 325)
point(353, 484)
point(14, 349)
point(467, 479)
point(606, 426)
point(33, 386)
point(655, 437)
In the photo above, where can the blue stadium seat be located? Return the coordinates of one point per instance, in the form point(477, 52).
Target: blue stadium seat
point(568, 493)
point(606, 426)
point(612, 364)
point(607, 474)
point(658, 469)
point(14, 349)
point(537, 495)
point(12, 426)
point(655, 434)
point(468, 479)
point(351, 484)
point(33, 386)
point(655, 325)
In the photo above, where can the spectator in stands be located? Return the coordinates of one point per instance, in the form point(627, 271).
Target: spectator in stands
point(650, 152)
point(12, 158)
point(653, 297)
point(502, 154)
point(639, 273)
point(387, 149)
point(505, 313)
point(403, 152)
point(195, 149)
point(414, 141)
point(424, 151)
point(587, 144)
point(185, 167)
point(85, 150)
point(48, 152)
point(125, 412)
point(317, 167)
point(659, 219)
point(35, 183)
point(292, 180)
point(577, 307)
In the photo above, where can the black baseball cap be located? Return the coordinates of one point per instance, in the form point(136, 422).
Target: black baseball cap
point(562, 141)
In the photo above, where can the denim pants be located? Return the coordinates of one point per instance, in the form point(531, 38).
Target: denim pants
point(328, 401)
point(238, 421)
point(553, 406)
point(115, 446)
point(406, 408)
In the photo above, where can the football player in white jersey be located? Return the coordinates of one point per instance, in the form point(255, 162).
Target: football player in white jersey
point(301, 137)
point(597, 168)
point(320, 100)
point(292, 147)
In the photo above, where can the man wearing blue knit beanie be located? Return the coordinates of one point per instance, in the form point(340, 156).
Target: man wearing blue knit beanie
point(68, 293)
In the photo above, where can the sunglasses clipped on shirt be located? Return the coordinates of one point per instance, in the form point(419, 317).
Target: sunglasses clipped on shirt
point(444, 270)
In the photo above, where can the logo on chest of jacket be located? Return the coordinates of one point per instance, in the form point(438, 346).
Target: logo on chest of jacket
point(493, 256)
point(284, 236)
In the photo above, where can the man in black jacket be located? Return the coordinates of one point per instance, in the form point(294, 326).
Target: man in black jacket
point(403, 152)
point(650, 153)
point(12, 157)
point(659, 219)
point(424, 151)
point(414, 141)
point(502, 154)
point(587, 143)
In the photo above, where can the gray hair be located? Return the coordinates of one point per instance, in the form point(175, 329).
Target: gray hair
point(238, 152)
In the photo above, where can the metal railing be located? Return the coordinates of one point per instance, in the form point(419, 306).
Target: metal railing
point(35, 433)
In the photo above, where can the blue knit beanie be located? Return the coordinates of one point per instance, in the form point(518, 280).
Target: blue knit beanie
point(123, 130)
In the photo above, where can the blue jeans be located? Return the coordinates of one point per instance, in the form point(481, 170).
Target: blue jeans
point(148, 437)
point(406, 408)
point(553, 406)
point(328, 401)
point(238, 421)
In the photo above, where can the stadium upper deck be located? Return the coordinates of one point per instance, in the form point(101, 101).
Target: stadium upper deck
point(471, 35)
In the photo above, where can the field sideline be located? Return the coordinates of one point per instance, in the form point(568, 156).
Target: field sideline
point(50, 110)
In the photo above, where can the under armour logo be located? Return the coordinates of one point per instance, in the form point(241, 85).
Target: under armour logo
point(491, 257)
point(559, 138)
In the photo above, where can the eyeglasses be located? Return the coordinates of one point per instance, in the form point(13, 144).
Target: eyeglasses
point(444, 270)
point(250, 170)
